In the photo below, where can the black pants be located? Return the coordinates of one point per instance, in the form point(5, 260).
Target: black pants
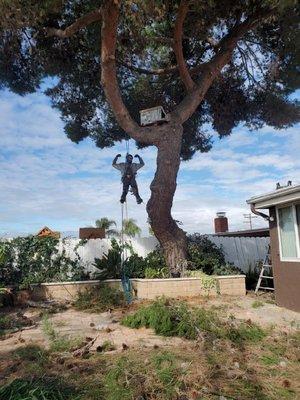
point(129, 181)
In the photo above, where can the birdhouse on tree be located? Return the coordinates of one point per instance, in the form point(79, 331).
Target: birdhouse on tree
point(153, 115)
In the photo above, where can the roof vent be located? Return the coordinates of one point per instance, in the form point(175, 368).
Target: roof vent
point(278, 186)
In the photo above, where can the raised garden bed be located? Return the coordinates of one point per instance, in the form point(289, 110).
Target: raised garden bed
point(233, 285)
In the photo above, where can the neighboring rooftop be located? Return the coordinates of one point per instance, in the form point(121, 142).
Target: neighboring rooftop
point(260, 232)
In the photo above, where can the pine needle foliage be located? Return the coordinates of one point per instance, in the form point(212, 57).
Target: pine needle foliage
point(175, 318)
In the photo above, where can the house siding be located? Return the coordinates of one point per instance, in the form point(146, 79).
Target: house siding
point(286, 274)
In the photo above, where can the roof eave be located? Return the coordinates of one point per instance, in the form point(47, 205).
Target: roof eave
point(277, 197)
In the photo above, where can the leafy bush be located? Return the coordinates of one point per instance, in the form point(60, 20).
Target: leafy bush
point(204, 255)
point(153, 273)
point(31, 259)
point(100, 299)
point(173, 318)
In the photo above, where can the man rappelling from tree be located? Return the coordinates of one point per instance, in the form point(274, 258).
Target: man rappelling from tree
point(128, 171)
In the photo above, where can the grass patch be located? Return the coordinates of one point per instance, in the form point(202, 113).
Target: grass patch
point(167, 372)
point(100, 299)
point(58, 343)
point(158, 376)
point(38, 389)
point(118, 381)
point(257, 304)
point(204, 370)
point(31, 353)
point(174, 318)
point(270, 359)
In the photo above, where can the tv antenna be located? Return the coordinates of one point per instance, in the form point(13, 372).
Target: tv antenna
point(248, 219)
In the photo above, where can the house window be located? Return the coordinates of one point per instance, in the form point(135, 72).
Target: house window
point(289, 230)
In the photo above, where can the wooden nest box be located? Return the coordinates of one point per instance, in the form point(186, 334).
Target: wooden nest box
point(153, 115)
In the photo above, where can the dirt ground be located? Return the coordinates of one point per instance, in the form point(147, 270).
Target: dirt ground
point(140, 365)
point(260, 309)
point(106, 326)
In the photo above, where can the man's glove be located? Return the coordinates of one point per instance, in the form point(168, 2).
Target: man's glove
point(137, 156)
point(118, 155)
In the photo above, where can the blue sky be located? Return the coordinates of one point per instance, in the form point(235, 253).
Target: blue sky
point(45, 179)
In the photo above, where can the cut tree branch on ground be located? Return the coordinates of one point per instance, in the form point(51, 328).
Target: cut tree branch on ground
point(85, 349)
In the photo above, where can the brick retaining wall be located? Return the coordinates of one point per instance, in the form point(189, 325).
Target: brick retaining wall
point(233, 285)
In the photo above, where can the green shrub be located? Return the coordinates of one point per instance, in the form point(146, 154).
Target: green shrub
point(34, 259)
point(153, 273)
point(204, 255)
point(174, 318)
point(100, 299)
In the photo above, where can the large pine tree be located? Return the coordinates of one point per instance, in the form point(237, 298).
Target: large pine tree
point(220, 62)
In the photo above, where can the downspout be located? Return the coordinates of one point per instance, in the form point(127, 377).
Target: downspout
point(260, 214)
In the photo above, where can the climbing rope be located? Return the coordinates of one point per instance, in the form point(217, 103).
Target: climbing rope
point(126, 284)
point(124, 278)
point(127, 146)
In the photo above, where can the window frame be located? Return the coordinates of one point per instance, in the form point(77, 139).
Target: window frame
point(296, 230)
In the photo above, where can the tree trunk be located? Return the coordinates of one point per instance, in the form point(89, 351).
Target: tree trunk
point(170, 236)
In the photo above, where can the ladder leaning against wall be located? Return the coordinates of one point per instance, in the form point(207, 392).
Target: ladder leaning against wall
point(266, 268)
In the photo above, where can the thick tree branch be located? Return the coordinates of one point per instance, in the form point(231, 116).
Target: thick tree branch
point(211, 70)
point(109, 77)
point(178, 30)
point(80, 23)
point(158, 71)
